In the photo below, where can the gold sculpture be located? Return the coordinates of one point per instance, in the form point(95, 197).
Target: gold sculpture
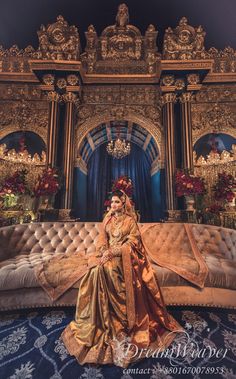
point(58, 41)
point(184, 42)
point(120, 44)
point(122, 17)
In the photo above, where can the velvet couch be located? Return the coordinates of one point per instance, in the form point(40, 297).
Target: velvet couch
point(25, 245)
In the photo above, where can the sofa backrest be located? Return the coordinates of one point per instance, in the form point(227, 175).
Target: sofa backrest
point(61, 237)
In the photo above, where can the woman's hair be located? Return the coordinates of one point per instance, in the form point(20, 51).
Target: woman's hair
point(117, 193)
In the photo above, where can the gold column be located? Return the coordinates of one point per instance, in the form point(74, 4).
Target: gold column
point(68, 153)
point(52, 142)
point(168, 101)
point(186, 131)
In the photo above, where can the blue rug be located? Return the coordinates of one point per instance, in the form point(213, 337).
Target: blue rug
point(31, 348)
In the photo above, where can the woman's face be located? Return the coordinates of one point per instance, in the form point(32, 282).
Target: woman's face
point(116, 204)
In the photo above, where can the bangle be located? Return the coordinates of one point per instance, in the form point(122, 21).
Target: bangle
point(116, 251)
point(107, 254)
point(103, 249)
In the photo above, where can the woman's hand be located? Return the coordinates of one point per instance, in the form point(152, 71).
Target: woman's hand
point(107, 256)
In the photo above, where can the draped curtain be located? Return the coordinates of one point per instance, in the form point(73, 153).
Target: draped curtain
point(103, 169)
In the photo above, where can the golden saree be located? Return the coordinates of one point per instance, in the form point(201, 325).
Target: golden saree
point(118, 300)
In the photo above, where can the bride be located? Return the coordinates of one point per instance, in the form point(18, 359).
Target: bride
point(120, 310)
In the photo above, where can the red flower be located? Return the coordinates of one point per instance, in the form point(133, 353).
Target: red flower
point(48, 183)
point(223, 189)
point(123, 183)
point(15, 184)
point(107, 203)
point(187, 184)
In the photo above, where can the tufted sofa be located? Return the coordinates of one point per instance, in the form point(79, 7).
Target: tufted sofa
point(24, 246)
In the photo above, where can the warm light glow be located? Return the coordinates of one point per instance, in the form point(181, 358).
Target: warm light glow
point(22, 156)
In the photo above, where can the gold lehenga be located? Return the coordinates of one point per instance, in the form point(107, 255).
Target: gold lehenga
point(119, 300)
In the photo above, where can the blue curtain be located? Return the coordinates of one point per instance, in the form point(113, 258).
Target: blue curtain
point(158, 198)
point(79, 203)
point(103, 169)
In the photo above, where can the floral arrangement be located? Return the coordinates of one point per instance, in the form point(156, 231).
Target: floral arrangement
point(12, 187)
point(187, 185)
point(48, 183)
point(223, 189)
point(123, 183)
point(15, 184)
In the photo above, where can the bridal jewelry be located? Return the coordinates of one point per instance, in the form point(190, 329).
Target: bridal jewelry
point(117, 219)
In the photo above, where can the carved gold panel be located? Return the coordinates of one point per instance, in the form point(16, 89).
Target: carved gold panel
point(213, 117)
point(22, 115)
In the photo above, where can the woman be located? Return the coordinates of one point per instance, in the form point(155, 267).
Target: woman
point(120, 309)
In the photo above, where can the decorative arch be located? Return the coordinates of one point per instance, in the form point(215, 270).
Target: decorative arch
point(155, 131)
point(206, 142)
point(30, 135)
point(230, 131)
point(13, 129)
point(85, 131)
point(131, 132)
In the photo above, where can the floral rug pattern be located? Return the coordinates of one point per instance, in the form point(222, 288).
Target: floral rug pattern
point(31, 348)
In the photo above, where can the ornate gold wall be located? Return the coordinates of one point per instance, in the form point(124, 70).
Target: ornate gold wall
point(120, 76)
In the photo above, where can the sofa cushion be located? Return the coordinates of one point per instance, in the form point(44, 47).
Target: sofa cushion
point(221, 274)
point(18, 272)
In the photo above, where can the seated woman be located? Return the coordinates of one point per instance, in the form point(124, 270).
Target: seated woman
point(120, 309)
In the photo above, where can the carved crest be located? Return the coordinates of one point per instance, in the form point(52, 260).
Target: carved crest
point(184, 42)
point(120, 44)
point(59, 41)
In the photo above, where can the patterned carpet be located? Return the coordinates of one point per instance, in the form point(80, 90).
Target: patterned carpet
point(31, 348)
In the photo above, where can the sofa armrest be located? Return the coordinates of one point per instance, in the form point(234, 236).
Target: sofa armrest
point(214, 240)
point(3, 255)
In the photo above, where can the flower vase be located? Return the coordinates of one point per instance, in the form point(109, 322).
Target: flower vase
point(230, 206)
point(28, 203)
point(46, 202)
point(190, 202)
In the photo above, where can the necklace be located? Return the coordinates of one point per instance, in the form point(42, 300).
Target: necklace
point(117, 219)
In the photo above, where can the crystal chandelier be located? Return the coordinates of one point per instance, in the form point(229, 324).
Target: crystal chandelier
point(118, 148)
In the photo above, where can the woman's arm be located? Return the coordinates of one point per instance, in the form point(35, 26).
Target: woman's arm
point(101, 242)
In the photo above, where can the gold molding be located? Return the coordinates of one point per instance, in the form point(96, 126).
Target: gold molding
point(190, 64)
point(168, 98)
point(219, 77)
point(186, 97)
